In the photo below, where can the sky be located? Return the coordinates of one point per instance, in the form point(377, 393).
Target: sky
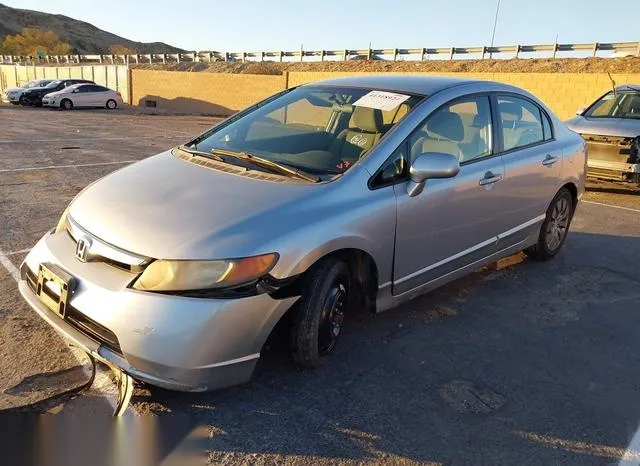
point(252, 25)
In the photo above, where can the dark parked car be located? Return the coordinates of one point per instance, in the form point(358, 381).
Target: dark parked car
point(34, 95)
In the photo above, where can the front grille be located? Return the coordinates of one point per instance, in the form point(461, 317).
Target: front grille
point(78, 320)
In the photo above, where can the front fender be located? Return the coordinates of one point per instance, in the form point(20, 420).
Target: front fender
point(366, 226)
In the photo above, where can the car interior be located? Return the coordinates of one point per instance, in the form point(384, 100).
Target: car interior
point(335, 139)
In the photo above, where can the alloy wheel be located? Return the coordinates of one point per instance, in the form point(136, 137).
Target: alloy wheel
point(558, 224)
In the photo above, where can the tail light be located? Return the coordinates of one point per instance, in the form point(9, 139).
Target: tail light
point(118, 94)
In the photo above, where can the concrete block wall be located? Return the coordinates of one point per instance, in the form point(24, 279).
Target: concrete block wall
point(224, 94)
point(564, 93)
point(211, 93)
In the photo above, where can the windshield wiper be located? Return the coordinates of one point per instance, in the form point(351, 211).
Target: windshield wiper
point(275, 166)
point(208, 155)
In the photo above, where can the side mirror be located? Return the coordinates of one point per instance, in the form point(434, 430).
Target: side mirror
point(580, 111)
point(75, 91)
point(431, 165)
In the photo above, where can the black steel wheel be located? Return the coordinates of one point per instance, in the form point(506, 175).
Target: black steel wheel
point(319, 314)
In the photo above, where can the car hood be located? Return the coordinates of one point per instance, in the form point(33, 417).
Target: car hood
point(605, 126)
point(166, 207)
point(14, 89)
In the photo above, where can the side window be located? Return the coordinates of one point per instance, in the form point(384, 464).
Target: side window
point(521, 122)
point(462, 128)
point(394, 169)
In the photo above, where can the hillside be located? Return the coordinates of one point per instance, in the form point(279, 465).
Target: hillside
point(82, 36)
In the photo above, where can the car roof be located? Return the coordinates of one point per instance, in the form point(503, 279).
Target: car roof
point(412, 84)
point(628, 87)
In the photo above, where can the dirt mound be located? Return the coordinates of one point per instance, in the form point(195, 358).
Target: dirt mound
point(522, 65)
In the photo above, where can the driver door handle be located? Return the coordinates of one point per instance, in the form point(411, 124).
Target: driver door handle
point(490, 178)
point(549, 160)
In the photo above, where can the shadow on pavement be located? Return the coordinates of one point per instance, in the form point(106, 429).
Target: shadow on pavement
point(554, 343)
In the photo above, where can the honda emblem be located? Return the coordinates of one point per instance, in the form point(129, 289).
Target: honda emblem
point(82, 249)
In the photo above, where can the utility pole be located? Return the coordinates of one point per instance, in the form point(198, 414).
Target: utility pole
point(495, 22)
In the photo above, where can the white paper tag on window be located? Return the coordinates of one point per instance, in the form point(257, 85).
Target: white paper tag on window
point(380, 100)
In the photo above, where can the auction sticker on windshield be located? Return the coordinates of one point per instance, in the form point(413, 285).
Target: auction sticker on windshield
point(380, 100)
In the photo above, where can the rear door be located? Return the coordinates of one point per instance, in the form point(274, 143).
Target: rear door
point(93, 95)
point(533, 164)
point(80, 97)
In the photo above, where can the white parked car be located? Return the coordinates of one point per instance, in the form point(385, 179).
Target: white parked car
point(13, 94)
point(83, 95)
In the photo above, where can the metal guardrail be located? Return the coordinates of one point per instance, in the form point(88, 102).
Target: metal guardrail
point(320, 55)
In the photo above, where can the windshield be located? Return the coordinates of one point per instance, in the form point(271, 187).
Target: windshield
point(53, 83)
point(31, 84)
point(320, 130)
point(622, 104)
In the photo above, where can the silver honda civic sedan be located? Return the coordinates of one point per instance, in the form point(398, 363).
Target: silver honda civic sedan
point(354, 191)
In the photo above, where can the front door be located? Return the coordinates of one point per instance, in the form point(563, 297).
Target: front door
point(453, 222)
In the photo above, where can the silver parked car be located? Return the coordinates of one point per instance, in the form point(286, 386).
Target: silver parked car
point(611, 127)
point(368, 190)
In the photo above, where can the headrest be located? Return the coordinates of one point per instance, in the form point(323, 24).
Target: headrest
point(510, 111)
point(446, 125)
point(367, 119)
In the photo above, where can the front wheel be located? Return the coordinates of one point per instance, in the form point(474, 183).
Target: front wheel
point(66, 104)
point(554, 228)
point(111, 104)
point(319, 314)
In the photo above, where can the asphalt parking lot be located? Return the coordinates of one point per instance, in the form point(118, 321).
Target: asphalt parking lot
point(524, 363)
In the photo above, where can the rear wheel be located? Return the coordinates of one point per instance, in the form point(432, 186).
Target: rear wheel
point(111, 104)
point(554, 228)
point(319, 314)
point(66, 104)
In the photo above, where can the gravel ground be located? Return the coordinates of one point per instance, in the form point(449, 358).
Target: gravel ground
point(522, 363)
point(527, 65)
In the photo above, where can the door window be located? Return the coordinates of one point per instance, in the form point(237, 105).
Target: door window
point(521, 122)
point(462, 128)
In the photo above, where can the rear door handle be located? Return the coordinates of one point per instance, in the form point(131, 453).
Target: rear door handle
point(549, 160)
point(490, 178)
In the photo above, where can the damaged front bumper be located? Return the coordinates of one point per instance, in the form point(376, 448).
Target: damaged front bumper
point(178, 343)
point(613, 157)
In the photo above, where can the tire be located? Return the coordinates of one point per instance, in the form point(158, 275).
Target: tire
point(111, 104)
point(66, 104)
point(319, 314)
point(555, 227)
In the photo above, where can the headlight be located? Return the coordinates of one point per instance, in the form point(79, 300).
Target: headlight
point(185, 275)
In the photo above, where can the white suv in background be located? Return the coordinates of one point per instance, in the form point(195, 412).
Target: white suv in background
point(83, 95)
